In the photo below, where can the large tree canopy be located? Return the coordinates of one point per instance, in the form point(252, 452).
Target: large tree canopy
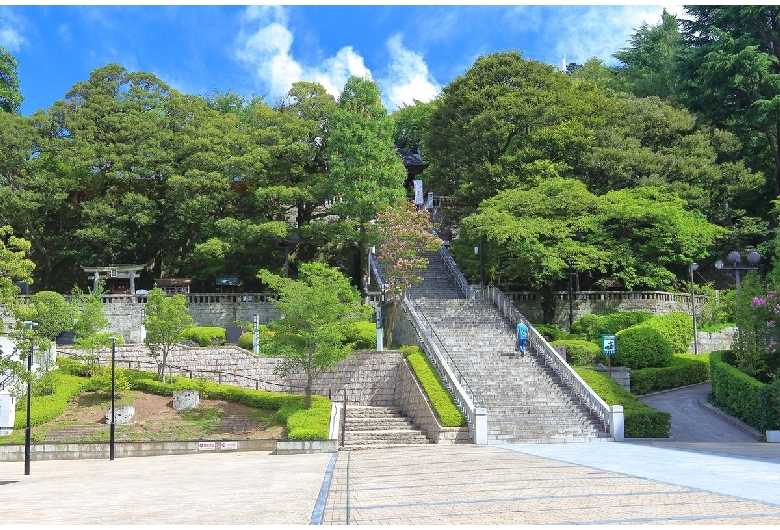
point(10, 96)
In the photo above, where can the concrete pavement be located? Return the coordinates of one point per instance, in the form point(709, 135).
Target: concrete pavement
point(577, 483)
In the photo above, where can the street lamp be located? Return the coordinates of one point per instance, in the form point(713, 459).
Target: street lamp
point(735, 259)
point(286, 245)
point(113, 398)
point(694, 266)
point(478, 252)
point(30, 325)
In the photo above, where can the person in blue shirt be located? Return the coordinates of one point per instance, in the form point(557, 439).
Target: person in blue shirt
point(521, 335)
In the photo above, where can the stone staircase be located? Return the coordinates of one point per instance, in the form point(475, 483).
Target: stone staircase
point(369, 427)
point(75, 433)
point(524, 399)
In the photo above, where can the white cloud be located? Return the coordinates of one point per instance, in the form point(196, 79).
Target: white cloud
point(267, 51)
point(408, 78)
point(10, 37)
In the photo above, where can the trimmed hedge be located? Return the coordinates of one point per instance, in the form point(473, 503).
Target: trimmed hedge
point(675, 327)
point(579, 352)
point(441, 400)
point(552, 333)
point(205, 335)
point(754, 402)
point(362, 334)
point(594, 326)
point(642, 347)
point(639, 420)
point(45, 408)
point(686, 369)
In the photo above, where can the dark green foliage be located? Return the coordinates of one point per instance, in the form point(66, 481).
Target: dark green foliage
point(580, 352)
point(50, 311)
point(441, 400)
point(642, 347)
point(675, 327)
point(205, 335)
point(685, 370)
point(594, 326)
point(640, 420)
point(742, 396)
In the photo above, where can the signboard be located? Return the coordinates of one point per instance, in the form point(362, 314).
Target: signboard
point(207, 446)
point(608, 345)
point(418, 192)
point(228, 446)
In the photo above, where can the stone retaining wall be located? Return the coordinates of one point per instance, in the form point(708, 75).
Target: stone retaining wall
point(410, 397)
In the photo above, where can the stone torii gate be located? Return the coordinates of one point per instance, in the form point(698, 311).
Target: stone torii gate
point(120, 279)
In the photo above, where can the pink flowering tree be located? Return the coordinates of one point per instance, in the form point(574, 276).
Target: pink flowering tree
point(402, 233)
point(758, 345)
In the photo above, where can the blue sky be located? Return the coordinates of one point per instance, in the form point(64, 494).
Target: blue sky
point(412, 51)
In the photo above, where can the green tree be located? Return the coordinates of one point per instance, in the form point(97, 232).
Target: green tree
point(402, 233)
point(14, 265)
point(648, 62)
point(166, 318)
point(90, 321)
point(50, 311)
point(10, 96)
point(366, 172)
point(533, 237)
point(317, 310)
point(728, 73)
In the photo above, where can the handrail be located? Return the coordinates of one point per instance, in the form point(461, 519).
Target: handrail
point(568, 376)
point(462, 399)
point(432, 333)
point(452, 267)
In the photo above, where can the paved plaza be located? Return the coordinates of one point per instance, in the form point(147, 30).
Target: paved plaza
point(577, 483)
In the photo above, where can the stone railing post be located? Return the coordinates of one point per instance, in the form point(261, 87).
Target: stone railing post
point(617, 423)
point(480, 426)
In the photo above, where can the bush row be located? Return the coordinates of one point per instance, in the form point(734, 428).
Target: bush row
point(640, 420)
point(362, 336)
point(641, 346)
point(580, 352)
point(205, 335)
point(594, 326)
point(685, 370)
point(45, 408)
point(754, 402)
point(441, 400)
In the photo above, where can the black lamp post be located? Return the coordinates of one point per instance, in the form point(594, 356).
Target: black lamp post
point(694, 266)
point(286, 245)
point(735, 259)
point(113, 398)
point(30, 325)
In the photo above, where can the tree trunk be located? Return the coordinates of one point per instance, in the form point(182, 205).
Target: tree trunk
point(308, 389)
point(391, 322)
point(549, 304)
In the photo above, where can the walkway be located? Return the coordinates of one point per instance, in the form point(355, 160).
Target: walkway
point(573, 483)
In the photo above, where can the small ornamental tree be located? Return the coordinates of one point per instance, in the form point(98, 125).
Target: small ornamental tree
point(757, 351)
point(317, 310)
point(166, 318)
point(90, 322)
point(402, 233)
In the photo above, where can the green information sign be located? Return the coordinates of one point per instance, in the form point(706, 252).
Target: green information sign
point(608, 345)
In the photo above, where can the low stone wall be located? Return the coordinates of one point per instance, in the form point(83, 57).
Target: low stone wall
point(709, 342)
point(77, 451)
point(410, 397)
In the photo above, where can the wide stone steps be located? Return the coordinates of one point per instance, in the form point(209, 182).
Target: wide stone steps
point(379, 427)
point(524, 399)
point(76, 433)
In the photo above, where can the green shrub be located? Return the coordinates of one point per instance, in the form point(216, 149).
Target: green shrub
point(675, 327)
point(205, 335)
point(45, 408)
point(580, 352)
point(685, 370)
point(50, 311)
point(362, 334)
point(441, 400)
point(552, 333)
point(406, 351)
point(594, 326)
point(642, 347)
point(246, 341)
point(742, 396)
point(639, 420)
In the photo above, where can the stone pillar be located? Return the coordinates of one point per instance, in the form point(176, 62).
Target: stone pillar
point(96, 282)
point(617, 423)
point(7, 412)
point(480, 426)
point(131, 275)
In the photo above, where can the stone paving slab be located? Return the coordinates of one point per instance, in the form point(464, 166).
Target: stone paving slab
point(496, 485)
point(202, 489)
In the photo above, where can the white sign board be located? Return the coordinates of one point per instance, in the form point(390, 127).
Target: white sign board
point(418, 192)
point(207, 446)
point(228, 446)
